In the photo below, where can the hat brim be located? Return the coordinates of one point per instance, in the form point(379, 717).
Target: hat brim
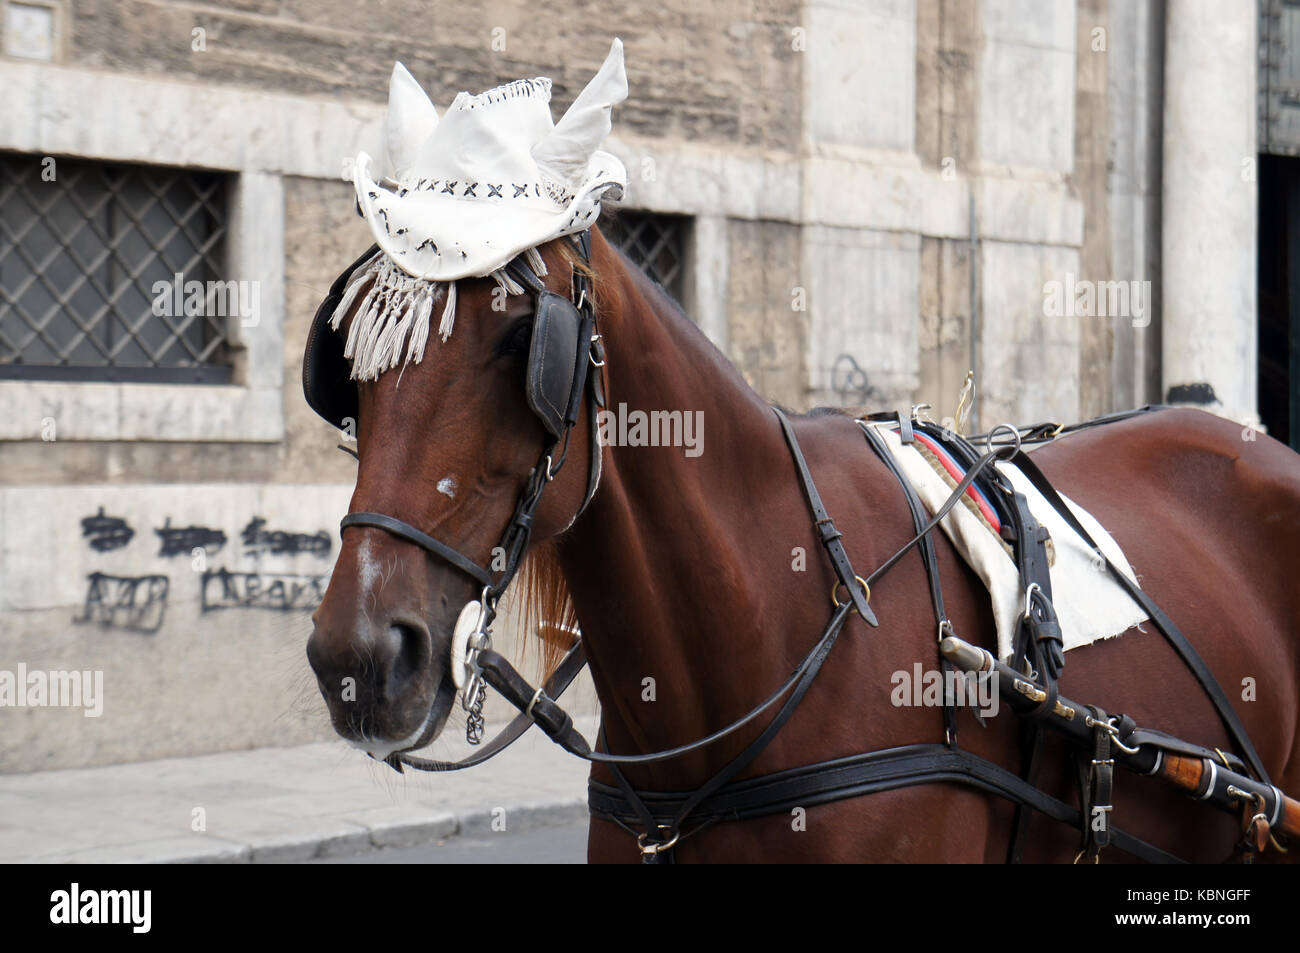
point(440, 237)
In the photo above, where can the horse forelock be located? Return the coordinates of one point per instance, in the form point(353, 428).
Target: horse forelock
point(393, 312)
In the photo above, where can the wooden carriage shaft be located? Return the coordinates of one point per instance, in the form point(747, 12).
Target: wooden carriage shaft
point(1203, 779)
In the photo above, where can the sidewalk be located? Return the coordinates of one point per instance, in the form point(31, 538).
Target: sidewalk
point(275, 805)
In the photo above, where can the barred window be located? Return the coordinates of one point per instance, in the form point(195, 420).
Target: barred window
point(655, 243)
point(111, 272)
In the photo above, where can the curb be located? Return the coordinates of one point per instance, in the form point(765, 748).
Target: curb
point(281, 849)
point(276, 806)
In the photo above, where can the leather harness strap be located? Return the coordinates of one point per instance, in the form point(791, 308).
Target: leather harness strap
point(824, 782)
point(1034, 649)
point(825, 526)
point(929, 558)
point(572, 664)
point(854, 776)
point(412, 535)
point(1095, 790)
point(1162, 622)
point(658, 838)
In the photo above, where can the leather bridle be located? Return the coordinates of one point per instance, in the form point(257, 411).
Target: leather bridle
point(589, 354)
point(514, 539)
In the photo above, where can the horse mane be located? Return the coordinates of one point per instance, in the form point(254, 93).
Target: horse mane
point(547, 611)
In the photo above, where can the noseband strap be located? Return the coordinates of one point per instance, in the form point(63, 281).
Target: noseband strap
point(412, 535)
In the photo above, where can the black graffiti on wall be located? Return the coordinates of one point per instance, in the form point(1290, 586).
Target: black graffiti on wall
point(136, 603)
point(182, 540)
point(106, 533)
point(282, 592)
point(848, 379)
point(259, 541)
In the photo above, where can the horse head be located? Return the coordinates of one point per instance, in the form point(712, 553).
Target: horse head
point(452, 446)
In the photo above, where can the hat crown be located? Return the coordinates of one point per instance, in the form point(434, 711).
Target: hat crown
point(487, 135)
point(494, 176)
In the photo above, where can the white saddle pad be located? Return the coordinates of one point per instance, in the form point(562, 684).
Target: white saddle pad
point(1090, 604)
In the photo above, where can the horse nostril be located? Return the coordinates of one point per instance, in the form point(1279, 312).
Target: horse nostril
point(316, 656)
point(407, 650)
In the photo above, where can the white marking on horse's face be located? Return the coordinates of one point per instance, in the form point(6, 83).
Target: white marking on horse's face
point(447, 487)
point(370, 574)
point(367, 565)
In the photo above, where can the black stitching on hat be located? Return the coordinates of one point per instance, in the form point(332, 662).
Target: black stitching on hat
point(520, 190)
point(449, 188)
point(469, 189)
point(494, 190)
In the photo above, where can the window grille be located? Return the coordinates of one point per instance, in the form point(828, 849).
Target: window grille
point(85, 250)
point(655, 243)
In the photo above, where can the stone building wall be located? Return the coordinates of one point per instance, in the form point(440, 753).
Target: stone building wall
point(879, 192)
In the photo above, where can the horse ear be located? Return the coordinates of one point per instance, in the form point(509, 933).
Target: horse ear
point(410, 122)
point(567, 148)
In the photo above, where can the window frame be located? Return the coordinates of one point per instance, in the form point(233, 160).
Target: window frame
point(212, 264)
point(258, 136)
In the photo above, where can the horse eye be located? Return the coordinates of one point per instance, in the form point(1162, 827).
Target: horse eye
point(517, 339)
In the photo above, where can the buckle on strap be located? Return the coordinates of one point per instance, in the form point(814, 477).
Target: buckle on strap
point(1097, 797)
point(827, 531)
point(866, 591)
point(1111, 728)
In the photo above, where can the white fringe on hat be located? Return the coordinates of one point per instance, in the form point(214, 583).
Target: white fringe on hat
point(396, 312)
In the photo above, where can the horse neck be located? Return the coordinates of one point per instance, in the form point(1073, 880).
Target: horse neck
point(664, 567)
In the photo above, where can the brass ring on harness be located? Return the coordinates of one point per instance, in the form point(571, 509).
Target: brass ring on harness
point(835, 588)
point(659, 846)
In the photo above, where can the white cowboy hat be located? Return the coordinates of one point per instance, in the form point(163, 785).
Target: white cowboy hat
point(494, 177)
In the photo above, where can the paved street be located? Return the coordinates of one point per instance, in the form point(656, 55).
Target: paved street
point(559, 844)
point(289, 805)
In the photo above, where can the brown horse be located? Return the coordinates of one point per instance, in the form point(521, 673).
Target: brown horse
point(685, 569)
